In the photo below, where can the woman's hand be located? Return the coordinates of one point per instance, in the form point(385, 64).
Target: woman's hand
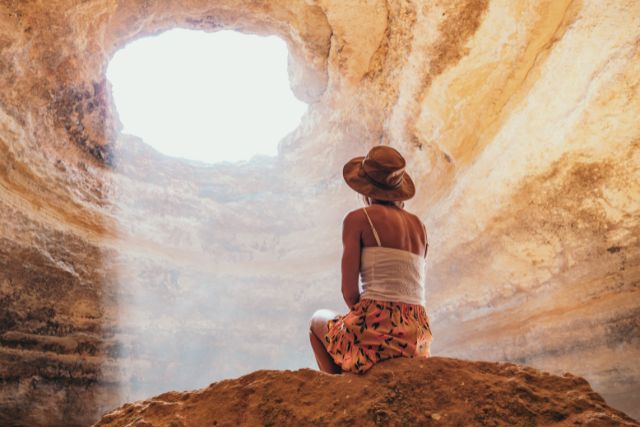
point(351, 233)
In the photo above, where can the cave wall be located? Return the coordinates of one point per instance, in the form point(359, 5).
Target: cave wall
point(124, 273)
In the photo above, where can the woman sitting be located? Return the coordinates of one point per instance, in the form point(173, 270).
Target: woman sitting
point(386, 247)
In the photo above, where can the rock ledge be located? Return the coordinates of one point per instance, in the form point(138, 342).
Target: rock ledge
point(435, 391)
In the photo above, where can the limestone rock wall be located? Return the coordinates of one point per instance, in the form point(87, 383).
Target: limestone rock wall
point(124, 273)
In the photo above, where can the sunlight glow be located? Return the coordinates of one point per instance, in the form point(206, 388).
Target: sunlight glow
point(206, 96)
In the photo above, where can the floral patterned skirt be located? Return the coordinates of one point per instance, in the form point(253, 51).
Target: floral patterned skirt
point(375, 330)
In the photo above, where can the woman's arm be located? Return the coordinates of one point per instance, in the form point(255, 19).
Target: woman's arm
point(350, 259)
point(426, 239)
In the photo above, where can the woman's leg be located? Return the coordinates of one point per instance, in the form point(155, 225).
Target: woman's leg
point(317, 329)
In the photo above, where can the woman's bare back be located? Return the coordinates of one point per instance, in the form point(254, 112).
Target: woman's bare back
point(396, 228)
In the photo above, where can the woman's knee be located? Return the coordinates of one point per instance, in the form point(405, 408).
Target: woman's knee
point(315, 318)
point(318, 322)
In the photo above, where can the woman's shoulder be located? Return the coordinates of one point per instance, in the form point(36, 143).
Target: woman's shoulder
point(375, 209)
point(417, 218)
point(355, 215)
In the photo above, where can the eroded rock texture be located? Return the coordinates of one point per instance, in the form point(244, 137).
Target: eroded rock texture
point(402, 391)
point(124, 273)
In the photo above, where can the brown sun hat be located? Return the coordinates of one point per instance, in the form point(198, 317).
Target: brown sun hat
point(380, 174)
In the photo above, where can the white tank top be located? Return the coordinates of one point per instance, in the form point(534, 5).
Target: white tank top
point(391, 274)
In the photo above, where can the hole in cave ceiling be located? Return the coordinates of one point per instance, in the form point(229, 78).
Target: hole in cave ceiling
point(209, 97)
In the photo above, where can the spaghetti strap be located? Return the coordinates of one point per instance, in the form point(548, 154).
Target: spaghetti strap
point(426, 242)
point(375, 233)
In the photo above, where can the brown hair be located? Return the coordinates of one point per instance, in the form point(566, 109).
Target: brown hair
point(368, 201)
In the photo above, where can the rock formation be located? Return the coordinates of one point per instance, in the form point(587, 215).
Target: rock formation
point(125, 273)
point(398, 392)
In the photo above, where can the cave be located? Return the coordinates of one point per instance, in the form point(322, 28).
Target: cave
point(125, 272)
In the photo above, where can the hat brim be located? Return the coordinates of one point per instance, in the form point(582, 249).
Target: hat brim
point(353, 177)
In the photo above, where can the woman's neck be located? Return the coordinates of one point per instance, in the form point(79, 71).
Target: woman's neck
point(385, 203)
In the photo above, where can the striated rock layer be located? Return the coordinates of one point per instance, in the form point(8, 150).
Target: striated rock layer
point(124, 273)
point(398, 392)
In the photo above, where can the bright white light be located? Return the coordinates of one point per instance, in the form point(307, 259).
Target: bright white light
point(206, 96)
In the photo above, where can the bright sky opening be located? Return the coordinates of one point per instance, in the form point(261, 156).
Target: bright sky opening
point(211, 97)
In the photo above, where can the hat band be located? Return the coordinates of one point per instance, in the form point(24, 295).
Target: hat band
point(382, 185)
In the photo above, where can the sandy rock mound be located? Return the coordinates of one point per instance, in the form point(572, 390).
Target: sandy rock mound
point(435, 391)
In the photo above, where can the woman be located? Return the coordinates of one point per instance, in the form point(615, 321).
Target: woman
point(386, 246)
